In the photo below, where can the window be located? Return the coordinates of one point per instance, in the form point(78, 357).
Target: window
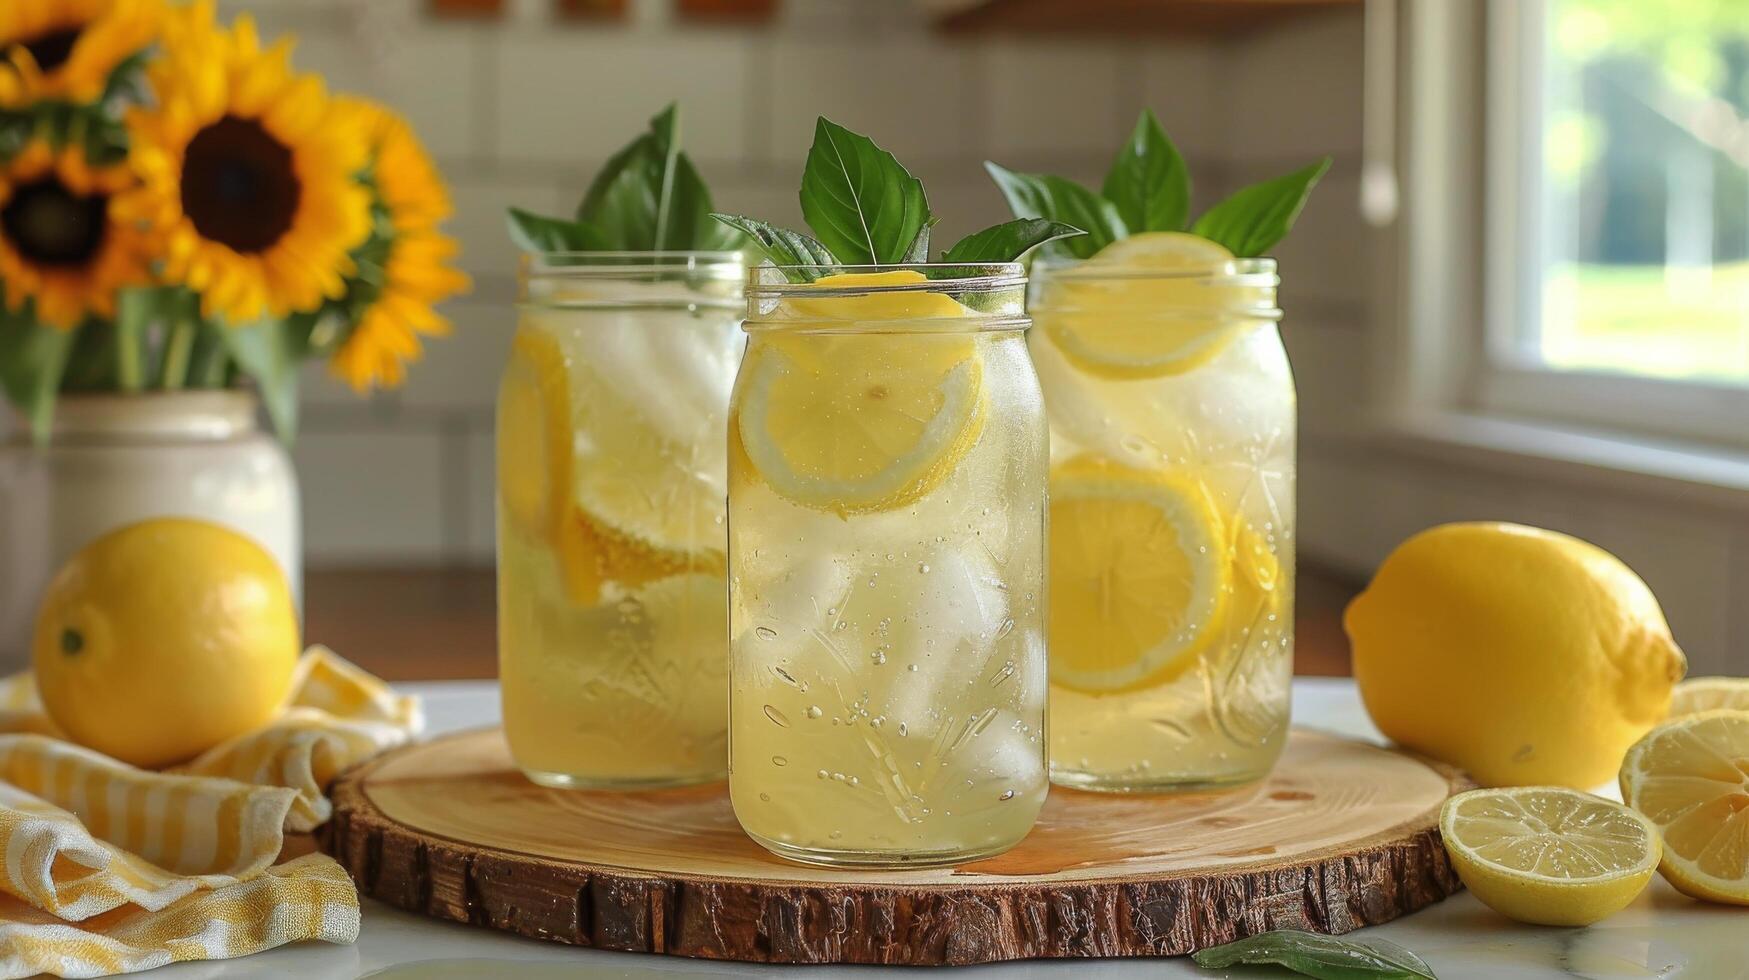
point(1616, 238)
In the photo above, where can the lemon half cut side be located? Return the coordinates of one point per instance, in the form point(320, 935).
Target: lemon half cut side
point(1690, 776)
point(1549, 855)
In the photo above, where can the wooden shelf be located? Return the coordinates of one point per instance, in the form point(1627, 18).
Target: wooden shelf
point(1185, 18)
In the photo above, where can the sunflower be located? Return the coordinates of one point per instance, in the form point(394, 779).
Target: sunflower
point(415, 258)
point(249, 172)
point(65, 50)
point(59, 245)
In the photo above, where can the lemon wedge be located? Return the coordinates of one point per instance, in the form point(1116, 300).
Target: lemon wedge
point(1123, 314)
point(1549, 855)
point(1139, 578)
point(543, 487)
point(1690, 776)
point(534, 425)
point(860, 422)
point(1699, 694)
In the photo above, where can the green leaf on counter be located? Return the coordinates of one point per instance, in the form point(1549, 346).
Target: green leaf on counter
point(1061, 199)
point(1320, 956)
point(1149, 182)
point(1255, 218)
point(1009, 241)
point(861, 202)
point(33, 359)
point(534, 233)
point(782, 246)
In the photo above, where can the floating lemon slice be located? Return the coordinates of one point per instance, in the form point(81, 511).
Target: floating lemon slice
point(1699, 694)
point(1122, 314)
point(1691, 777)
point(1139, 576)
point(540, 483)
point(1549, 855)
point(860, 422)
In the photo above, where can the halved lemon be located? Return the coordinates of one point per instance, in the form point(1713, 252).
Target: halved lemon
point(1124, 314)
point(860, 422)
point(1690, 776)
point(1139, 575)
point(1698, 694)
point(1549, 855)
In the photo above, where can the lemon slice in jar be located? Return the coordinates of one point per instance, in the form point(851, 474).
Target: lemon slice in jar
point(1140, 579)
point(860, 422)
point(547, 407)
point(1122, 313)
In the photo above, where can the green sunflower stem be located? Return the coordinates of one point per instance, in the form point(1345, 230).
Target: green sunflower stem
point(208, 363)
point(173, 372)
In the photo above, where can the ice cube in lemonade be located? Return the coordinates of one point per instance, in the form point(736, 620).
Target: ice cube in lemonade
point(887, 481)
point(1172, 515)
point(612, 591)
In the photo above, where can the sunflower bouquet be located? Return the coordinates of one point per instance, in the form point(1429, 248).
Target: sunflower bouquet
point(180, 208)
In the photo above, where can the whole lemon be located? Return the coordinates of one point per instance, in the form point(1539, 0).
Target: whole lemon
point(162, 639)
point(1524, 656)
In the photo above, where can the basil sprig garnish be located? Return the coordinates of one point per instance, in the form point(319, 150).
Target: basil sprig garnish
point(648, 197)
point(1148, 189)
point(1320, 956)
point(865, 208)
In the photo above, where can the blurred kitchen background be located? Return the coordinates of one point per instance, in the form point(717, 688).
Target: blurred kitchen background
point(1521, 292)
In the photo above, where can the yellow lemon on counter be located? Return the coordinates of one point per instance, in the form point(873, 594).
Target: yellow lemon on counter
point(162, 639)
point(1549, 855)
point(1524, 656)
point(1690, 777)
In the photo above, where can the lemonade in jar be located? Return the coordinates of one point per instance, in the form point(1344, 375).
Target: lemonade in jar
point(1173, 421)
point(612, 591)
point(886, 554)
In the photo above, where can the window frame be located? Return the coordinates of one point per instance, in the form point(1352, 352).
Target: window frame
point(1474, 75)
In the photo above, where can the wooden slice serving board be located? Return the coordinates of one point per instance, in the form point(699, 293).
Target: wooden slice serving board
point(1343, 835)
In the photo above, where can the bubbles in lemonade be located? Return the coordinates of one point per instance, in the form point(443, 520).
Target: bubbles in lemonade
point(611, 571)
point(887, 605)
point(1172, 515)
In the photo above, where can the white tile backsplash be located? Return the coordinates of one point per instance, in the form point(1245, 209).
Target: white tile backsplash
point(1052, 98)
point(461, 371)
point(372, 494)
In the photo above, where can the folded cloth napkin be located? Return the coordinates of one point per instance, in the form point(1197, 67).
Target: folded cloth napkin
point(112, 869)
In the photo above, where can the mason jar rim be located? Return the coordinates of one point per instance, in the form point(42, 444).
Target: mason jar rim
point(1234, 272)
point(993, 276)
point(712, 264)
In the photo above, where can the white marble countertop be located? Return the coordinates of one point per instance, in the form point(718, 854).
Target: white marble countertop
point(1663, 934)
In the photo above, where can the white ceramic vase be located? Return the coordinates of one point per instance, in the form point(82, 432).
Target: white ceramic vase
point(114, 460)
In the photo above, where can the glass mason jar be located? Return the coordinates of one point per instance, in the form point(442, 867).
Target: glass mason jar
point(1172, 416)
point(612, 602)
point(887, 467)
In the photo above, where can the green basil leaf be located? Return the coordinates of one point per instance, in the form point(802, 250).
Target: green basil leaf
point(1009, 241)
point(534, 233)
point(1254, 218)
point(1060, 199)
point(269, 351)
point(625, 198)
point(859, 200)
point(1149, 181)
point(919, 250)
point(1320, 956)
point(33, 359)
point(782, 246)
point(688, 224)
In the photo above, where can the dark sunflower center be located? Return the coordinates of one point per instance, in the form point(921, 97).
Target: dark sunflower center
point(50, 225)
point(238, 185)
point(51, 50)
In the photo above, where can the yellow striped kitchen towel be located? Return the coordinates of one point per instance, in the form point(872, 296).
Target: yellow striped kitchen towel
point(111, 869)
